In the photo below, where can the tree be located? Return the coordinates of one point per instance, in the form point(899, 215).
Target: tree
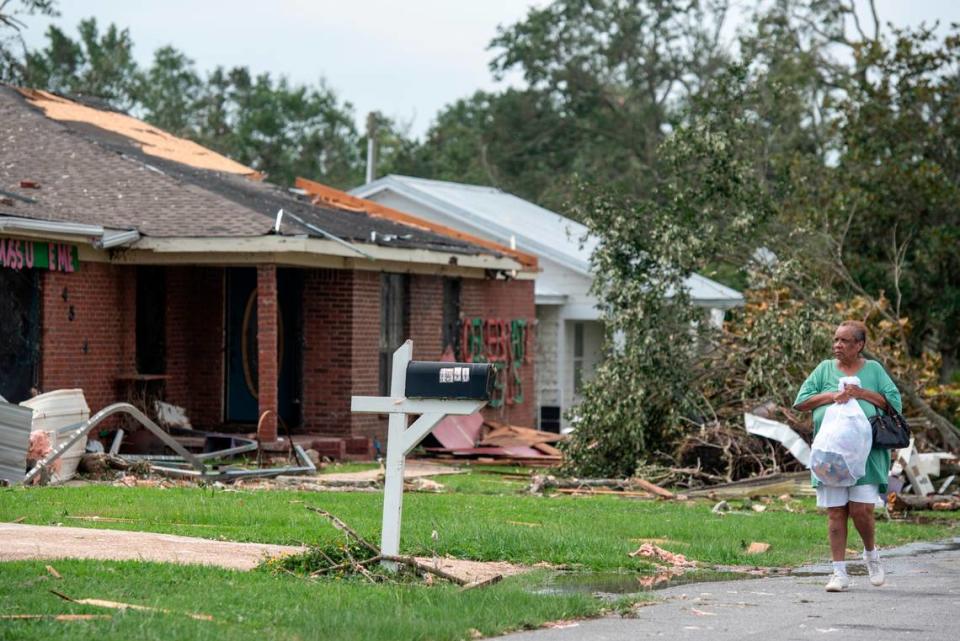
point(645, 394)
point(100, 66)
point(11, 64)
point(615, 70)
point(169, 91)
point(280, 129)
point(515, 140)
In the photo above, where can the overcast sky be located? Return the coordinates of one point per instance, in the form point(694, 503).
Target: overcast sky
point(405, 58)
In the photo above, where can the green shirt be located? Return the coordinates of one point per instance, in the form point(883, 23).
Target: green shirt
point(826, 378)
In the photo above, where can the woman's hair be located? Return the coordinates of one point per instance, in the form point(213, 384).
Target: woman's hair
point(859, 329)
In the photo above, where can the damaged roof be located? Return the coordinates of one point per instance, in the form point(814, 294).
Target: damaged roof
point(62, 160)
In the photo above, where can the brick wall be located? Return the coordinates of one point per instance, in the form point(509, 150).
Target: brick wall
point(365, 336)
point(426, 317)
point(87, 330)
point(507, 300)
point(267, 341)
point(341, 343)
point(195, 343)
point(327, 351)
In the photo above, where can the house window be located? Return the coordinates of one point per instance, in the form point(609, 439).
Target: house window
point(577, 358)
point(151, 320)
point(394, 299)
point(451, 314)
point(550, 418)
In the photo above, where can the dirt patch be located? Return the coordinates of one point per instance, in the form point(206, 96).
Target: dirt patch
point(33, 542)
point(27, 542)
point(473, 571)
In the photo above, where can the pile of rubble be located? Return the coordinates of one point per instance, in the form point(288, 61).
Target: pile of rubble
point(474, 439)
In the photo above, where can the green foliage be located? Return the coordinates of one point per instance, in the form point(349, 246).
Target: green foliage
point(645, 395)
point(169, 92)
point(604, 81)
point(11, 41)
point(280, 129)
point(96, 65)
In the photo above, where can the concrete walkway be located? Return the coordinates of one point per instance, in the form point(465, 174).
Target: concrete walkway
point(21, 542)
point(921, 601)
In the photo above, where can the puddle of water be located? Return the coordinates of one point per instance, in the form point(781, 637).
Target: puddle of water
point(609, 585)
point(612, 584)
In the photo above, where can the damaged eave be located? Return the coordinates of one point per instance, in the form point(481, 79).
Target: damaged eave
point(94, 235)
point(302, 251)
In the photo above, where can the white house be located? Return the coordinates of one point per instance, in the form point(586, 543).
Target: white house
point(569, 334)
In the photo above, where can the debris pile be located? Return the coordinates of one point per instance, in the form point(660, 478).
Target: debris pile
point(52, 445)
point(912, 484)
point(473, 439)
point(632, 487)
point(357, 556)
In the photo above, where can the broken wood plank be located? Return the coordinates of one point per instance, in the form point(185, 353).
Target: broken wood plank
point(117, 605)
point(603, 491)
point(423, 567)
point(546, 448)
point(904, 502)
point(653, 488)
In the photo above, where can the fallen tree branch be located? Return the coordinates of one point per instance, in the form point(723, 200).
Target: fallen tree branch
point(423, 567)
point(346, 529)
point(343, 566)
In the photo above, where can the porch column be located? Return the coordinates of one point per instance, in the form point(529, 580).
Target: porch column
point(267, 360)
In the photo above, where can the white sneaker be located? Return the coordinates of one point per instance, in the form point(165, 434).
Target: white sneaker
point(838, 582)
point(874, 569)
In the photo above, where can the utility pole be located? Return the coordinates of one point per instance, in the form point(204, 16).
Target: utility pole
point(372, 119)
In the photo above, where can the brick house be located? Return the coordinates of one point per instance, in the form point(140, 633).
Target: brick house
point(134, 264)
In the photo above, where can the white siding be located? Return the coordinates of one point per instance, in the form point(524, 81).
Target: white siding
point(592, 345)
point(548, 381)
point(574, 285)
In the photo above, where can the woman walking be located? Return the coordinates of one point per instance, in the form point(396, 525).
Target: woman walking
point(876, 392)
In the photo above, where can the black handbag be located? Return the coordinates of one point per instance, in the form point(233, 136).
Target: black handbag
point(890, 430)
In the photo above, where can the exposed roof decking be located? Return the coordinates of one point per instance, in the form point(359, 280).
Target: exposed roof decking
point(98, 167)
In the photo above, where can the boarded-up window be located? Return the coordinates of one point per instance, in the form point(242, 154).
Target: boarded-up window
point(394, 302)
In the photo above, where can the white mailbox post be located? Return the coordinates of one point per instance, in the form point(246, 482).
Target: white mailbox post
point(401, 439)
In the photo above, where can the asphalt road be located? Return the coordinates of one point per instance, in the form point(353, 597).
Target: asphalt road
point(921, 600)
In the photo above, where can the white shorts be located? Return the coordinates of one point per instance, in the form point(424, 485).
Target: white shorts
point(829, 496)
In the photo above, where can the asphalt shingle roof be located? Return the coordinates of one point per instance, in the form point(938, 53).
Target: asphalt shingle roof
point(91, 175)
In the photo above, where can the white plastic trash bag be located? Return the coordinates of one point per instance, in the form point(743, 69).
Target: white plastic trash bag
point(839, 453)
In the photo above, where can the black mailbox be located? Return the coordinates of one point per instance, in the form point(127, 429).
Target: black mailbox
point(434, 379)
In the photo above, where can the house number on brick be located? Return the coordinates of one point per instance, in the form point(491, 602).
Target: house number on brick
point(19, 254)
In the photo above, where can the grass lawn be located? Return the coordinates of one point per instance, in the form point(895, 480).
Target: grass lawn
point(480, 516)
point(260, 606)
